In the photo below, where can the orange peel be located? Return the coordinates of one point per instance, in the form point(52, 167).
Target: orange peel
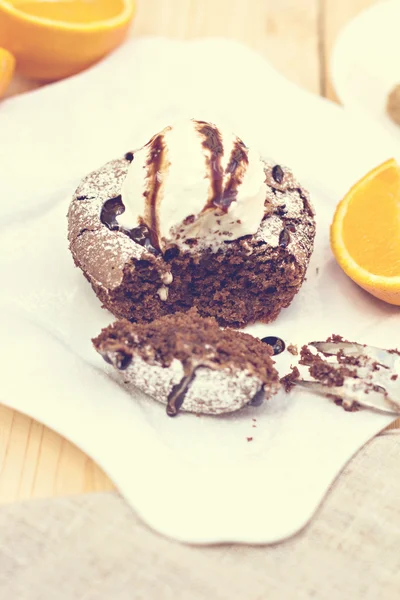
point(7, 66)
point(55, 39)
point(365, 232)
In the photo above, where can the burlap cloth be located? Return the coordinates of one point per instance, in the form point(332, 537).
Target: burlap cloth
point(94, 547)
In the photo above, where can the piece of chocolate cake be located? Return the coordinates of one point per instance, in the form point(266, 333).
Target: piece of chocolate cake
point(189, 363)
point(194, 218)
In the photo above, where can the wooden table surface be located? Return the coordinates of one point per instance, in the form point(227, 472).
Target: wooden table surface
point(296, 36)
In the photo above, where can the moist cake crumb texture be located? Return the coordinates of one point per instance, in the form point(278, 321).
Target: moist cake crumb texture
point(289, 381)
point(330, 375)
point(225, 369)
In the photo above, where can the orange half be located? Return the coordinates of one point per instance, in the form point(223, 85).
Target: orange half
point(365, 232)
point(53, 39)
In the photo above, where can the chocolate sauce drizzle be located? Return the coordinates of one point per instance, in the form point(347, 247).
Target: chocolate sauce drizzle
point(258, 397)
point(109, 212)
point(213, 142)
point(143, 235)
point(236, 168)
point(85, 198)
point(154, 163)
point(178, 393)
point(108, 216)
point(222, 197)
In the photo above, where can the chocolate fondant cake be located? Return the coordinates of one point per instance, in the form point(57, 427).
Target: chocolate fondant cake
point(188, 362)
point(194, 218)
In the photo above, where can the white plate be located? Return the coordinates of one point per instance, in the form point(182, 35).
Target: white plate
point(365, 62)
point(195, 479)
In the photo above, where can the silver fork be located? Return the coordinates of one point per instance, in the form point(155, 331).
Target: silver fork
point(357, 375)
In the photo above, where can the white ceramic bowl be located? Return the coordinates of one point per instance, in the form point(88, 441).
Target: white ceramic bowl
point(365, 63)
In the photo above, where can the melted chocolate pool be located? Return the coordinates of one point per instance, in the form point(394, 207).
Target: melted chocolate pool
point(277, 344)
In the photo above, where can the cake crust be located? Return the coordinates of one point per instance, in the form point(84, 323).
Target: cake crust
point(249, 279)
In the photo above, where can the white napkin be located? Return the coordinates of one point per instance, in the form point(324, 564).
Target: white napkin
point(196, 479)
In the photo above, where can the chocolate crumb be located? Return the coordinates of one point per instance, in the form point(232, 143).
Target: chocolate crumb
point(329, 375)
point(289, 380)
point(326, 373)
point(343, 359)
point(293, 349)
point(339, 402)
point(307, 357)
point(336, 338)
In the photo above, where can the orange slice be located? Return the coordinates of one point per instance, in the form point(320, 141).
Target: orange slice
point(7, 66)
point(365, 233)
point(52, 39)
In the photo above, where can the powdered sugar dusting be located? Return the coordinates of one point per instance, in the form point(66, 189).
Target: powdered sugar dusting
point(288, 206)
point(212, 391)
point(103, 254)
point(270, 230)
point(100, 252)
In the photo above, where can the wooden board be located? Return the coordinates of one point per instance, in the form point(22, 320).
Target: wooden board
point(297, 38)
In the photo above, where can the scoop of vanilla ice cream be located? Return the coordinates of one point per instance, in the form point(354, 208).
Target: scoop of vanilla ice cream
point(194, 186)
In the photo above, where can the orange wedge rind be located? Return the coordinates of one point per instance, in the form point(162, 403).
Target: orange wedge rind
point(365, 232)
point(52, 39)
point(7, 66)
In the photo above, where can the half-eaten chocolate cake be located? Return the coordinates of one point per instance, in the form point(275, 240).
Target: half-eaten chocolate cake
point(194, 218)
point(189, 363)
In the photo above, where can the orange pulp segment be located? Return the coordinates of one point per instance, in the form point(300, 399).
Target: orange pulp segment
point(365, 232)
point(75, 11)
